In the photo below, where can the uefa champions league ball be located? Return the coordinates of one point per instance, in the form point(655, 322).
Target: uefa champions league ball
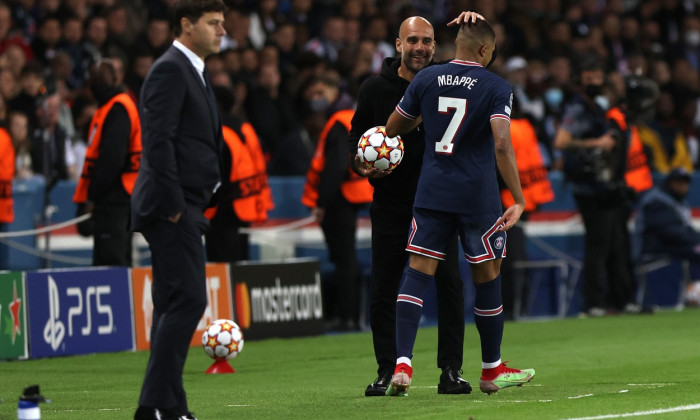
point(222, 339)
point(376, 150)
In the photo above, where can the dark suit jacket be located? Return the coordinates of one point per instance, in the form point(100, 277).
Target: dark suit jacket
point(181, 136)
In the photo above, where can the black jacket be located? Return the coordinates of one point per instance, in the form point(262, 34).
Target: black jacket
point(377, 99)
point(182, 142)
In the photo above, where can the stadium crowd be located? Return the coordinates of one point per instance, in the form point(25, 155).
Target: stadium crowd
point(274, 47)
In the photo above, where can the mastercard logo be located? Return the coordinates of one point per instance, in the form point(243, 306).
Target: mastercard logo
point(242, 305)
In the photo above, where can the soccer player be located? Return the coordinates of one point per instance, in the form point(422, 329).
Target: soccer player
point(465, 111)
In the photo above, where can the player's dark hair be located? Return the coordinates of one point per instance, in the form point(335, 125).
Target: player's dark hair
point(193, 10)
point(480, 30)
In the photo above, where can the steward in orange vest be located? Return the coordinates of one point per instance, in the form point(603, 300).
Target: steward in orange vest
point(354, 188)
point(111, 165)
point(533, 174)
point(246, 197)
point(638, 174)
point(7, 172)
point(335, 193)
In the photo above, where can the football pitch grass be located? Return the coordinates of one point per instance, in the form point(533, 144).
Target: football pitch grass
point(621, 366)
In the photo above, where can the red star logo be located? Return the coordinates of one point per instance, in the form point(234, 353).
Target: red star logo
point(212, 342)
point(233, 347)
point(15, 304)
point(383, 150)
point(226, 326)
point(363, 142)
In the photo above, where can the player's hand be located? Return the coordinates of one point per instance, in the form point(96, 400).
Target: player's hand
point(175, 218)
point(606, 142)
point(373, 173)
point(510, 217)
point(317, 213)
point(465, 17)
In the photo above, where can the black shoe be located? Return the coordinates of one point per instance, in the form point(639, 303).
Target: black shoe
point(379, 386)
point(451, 382)
point(151, 413)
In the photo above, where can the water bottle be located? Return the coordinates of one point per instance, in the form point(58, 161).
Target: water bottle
point(28, 410)
point(28, 405)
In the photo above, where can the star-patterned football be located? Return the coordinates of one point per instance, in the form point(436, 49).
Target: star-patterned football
point(376, 150)
point(222, 340)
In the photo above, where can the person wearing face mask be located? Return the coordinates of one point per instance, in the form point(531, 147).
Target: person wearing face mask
point(334, 193)
point(111, 164)
point(595, 153)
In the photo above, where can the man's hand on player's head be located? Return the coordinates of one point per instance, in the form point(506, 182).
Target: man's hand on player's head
point(510, 217)
point(465, 17)
point(373, 173)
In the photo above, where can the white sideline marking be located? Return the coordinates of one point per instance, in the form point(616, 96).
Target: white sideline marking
point(580, 396)
point(642, 413)
point(622, 391)
point(239, 405)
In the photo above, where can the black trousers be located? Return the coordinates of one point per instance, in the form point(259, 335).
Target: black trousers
point(112, 239)
point(390, 229)
point(339, 226)
point(223, 241)
point(607, 270)
point(179, 300)
point(517, 251)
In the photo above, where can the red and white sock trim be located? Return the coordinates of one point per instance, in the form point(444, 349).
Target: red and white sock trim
point(488, 312)
point(410, 299)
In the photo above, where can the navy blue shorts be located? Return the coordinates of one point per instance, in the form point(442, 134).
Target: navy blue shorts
point(431, 231)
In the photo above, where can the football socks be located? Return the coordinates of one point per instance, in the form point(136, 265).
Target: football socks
point(409, 308)
point(488, 317)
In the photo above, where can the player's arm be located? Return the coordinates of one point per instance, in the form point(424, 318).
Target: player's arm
point(465, 17)
point(399, 124)
point(507, 166)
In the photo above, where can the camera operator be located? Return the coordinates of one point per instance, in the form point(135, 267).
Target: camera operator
point(595, 150)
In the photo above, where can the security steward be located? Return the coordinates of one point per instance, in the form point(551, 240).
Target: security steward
point(111, 164)
point(335, 193)
point(7, 172)
point(246, 197)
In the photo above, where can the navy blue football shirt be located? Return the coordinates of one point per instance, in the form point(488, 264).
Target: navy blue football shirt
point(457, 101)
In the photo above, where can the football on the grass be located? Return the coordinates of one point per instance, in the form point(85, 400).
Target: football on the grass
point(376, 150)
point(222, 339)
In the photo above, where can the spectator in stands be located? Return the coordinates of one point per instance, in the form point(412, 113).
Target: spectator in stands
point(8, 85)
point(245, 195)
point(663, 138)
point(72, 44)
point(237, 25)
point(16, 59)
point(270, 109)
point(18, 127)
point(49, 143)
point(330, 42)
point(663, 223)
point(263, 21)
point(141, 62)
point(31, 82)
point(45, 44)
point(7, 35)
point(95, 37)
point(335, 193)
point(111, 165)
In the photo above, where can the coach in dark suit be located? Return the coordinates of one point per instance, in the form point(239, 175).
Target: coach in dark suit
point(179, 174)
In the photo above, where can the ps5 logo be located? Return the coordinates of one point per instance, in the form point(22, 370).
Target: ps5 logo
point(54, 331)
point(81, 306)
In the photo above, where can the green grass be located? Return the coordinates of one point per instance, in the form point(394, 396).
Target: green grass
point(585, 367)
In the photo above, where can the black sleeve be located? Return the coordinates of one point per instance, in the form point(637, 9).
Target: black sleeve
point(336, 167)
point(362, 120)
point(665, 223)
point(114, 149)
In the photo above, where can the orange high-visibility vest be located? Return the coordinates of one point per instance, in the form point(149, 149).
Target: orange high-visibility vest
point(252, 196)
point(7, 172)
point(534, 178)
point(638, 174)
point(131, 166)
point(355, 189)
